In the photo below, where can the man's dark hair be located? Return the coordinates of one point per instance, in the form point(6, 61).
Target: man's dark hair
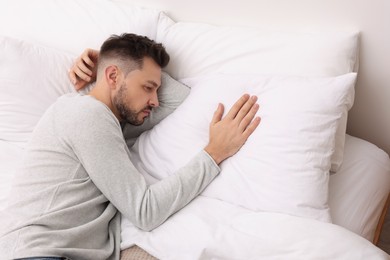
point(130, 50)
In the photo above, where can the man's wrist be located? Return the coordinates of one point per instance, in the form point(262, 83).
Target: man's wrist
point(213, 154)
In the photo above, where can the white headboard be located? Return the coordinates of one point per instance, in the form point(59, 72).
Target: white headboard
point(370, 116)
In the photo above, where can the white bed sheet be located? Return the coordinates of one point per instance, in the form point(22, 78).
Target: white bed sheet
point(358, 192)
point(213, 229)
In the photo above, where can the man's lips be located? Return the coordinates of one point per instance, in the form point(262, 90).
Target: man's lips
point(147, 112)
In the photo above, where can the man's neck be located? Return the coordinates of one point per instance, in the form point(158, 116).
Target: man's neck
point(103, 94)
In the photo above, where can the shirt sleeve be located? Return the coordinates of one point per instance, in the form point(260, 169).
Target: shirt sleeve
point(99, 145)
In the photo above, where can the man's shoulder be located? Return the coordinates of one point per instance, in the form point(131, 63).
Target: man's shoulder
point(78, 107)
point(80, 103)
point(76, 99)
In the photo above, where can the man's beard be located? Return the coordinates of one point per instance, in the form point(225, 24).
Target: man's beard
point(127, 114)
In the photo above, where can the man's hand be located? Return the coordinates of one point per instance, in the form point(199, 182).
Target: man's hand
point(229, 134)
point(84, 69)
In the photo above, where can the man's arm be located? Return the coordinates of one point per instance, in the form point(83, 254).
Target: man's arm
point(98, 144)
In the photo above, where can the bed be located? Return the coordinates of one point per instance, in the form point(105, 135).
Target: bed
point(303, 187)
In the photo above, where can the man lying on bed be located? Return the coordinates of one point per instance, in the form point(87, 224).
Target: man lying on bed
point(77, 174)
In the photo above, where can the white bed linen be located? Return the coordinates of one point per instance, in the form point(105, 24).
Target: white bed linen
point(10, 157)
point(364, 178)
point(213, 229)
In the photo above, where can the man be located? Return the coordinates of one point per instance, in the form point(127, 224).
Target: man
point(77, 175)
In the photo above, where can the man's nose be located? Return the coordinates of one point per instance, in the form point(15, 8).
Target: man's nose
point(153, 102)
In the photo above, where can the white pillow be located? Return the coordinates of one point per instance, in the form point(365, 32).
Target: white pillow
point(74, 25)
point(284, 166)
point(32, 77)
point(10, 158)
point(198, 49)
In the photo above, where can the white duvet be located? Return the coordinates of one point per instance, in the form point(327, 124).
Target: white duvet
point(212, 229)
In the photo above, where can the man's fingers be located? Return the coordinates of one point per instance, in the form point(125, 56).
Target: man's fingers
point(93, 54)
point(248, 117)
point(237, 106)
point(72, 76)
point(246, 108)
point(252, 127)
point(80, 85)
point(217, 114)
point(81, 74)
point(83, 67)
point(88, 61)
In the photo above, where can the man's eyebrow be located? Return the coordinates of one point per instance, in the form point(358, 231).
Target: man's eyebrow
point(153, 83)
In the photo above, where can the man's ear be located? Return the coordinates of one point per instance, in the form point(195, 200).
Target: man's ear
point(112, 75)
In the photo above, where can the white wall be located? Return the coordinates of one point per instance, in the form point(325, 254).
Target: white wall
point(370, 117)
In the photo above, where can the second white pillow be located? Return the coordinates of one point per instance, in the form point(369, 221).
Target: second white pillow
point(284, 166)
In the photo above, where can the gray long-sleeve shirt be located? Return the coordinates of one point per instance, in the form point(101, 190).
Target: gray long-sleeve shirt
point(76, 176)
